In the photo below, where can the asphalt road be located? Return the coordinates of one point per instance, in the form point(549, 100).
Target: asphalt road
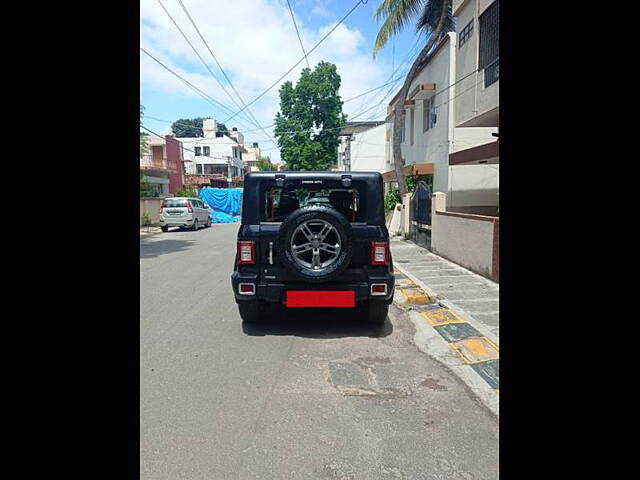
point(313, 394)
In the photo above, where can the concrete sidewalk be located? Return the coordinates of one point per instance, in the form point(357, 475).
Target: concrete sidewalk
point(149, 230)
point(454, 286)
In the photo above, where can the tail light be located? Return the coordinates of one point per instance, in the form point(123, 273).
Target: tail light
point(189, 207)
point(247, 289)
point(246, 254)
point(161, 205)
point(379, 253)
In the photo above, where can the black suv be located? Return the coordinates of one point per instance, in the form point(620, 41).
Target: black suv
point(313, 239)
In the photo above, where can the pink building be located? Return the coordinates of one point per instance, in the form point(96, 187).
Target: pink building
point(163, 164)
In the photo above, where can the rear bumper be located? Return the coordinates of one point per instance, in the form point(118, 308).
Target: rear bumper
point(177, 222)
point(275, 292)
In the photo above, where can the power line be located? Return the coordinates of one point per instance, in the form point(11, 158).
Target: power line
point(204, 95)
point(222, 70)
point(363, 2)
point(199, 57)
point(298, 33)
point(183, 147)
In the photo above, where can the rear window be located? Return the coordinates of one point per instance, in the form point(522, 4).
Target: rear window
point(279, 202)
point(170, 202)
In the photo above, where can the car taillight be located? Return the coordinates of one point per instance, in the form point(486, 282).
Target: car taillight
point(379, 253)
point(189, 207)
point(161, 205)
point(246, 252)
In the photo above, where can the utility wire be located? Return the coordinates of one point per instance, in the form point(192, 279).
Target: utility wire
point(183, 147)
point(201, 59)
point(222, 70)
point(363, 2)
point(204, 95)
point(298, 33)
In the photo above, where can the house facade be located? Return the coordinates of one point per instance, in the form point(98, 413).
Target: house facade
point(474, 170)
point(250, 157)
point(430, 132)
point(361, 147)
point(215, 156)
point(163, 165)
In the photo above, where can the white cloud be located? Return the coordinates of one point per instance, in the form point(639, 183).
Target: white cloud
point(321, 11)
point(255, 42)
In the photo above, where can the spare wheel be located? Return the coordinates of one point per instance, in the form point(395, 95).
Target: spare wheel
point(315, 243)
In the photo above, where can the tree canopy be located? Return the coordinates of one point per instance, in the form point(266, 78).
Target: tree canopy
point(264, 164)
point(192, 127)
point(188, 127)
point(310, 118)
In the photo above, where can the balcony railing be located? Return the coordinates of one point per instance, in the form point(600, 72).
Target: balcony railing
point(492, 73)
point(147, 161)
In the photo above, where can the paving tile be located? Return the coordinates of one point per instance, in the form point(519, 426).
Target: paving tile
point(441, 316)
point(491, 319)
point(470, 295)
point(490, 371)
point(415, 295)
point(479, 306)
point(454, 332)
point(475, 349)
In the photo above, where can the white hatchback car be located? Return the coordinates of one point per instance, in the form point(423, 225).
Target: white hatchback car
point(184, 212)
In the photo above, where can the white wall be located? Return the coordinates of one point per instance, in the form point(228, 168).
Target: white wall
point(368, 150)
point(473, 186)
point(473, 100)
point(432, 146)
point(220, 148)
point(467, 242)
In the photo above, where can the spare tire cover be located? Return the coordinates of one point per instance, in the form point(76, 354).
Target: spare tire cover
point(315, 243)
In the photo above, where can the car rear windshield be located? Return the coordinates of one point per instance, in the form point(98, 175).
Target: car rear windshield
point(279, 202)
point(171, 202)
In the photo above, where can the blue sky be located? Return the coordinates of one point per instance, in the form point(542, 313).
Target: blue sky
point(255, 42)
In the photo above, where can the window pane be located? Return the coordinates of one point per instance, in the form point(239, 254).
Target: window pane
point(489, 34)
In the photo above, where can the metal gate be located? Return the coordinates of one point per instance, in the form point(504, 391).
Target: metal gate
point(420, 232)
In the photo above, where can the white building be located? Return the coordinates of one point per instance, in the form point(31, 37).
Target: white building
point(430, 132)
point(250, 157)
point(474, 169)
point(362, 147)
point(214, 153)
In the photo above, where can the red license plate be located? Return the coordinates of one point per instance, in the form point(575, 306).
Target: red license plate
point(324, 298)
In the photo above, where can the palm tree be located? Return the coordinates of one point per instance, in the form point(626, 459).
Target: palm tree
point(435, 19)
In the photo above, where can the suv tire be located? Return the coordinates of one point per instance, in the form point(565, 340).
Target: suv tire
point(251, 311)
point(376, 312)
point(343, 230)
point(164, 228)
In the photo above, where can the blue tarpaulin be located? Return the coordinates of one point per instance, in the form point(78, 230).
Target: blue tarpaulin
point(225, 202)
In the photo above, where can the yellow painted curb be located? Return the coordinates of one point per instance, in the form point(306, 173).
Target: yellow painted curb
point(415, 295)
point(476, 350)
point(441, 316)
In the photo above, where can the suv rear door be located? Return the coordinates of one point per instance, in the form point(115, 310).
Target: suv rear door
point(278, 202)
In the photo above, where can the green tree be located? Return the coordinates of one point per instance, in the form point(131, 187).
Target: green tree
point(192, 127)
point(434, 18)
point(264, 165)
point(188, 127)
point(310, 118)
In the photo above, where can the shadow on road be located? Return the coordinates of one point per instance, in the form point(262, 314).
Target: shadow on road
point(150, 249)
point(316, 323)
